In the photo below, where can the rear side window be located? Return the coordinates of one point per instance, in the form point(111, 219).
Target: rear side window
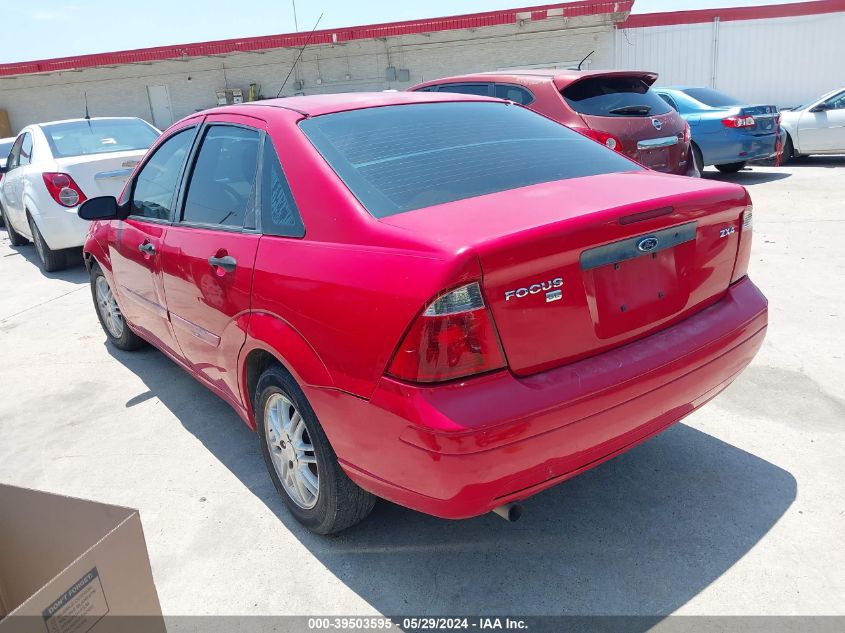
point(98, 136)
point(222, 187)
point(669, 100)
point(400, 158)
point(516, 94)
point(279, 215)
point(480, 89)
point(712, 98)
point(614, 96)
point(156, 183)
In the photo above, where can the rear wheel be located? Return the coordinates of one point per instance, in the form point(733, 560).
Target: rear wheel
point(111, 318)
point(730, 168)
point(15, 238)
point(302, 463)
point(51, 260)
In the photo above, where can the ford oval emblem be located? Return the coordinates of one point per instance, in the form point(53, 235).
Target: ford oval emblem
point(657, 124)
point(648, 244)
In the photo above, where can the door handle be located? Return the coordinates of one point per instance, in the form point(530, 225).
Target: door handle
point(147, 248)
point(227, 263)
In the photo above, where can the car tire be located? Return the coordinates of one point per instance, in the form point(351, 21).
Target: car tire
point(730, 168)
point(788, 151)
point(15, 238)
point(51, 260)
point(301, 460)
point(697, 158)
point(108, 312)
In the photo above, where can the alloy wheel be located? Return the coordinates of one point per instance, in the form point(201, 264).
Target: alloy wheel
point(109, 310)
point(291, 451)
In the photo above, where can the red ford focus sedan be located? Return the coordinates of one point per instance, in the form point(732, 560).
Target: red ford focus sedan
point(617, 108)
point(447, 301)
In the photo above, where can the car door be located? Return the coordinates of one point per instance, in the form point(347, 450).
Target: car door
point(209, 252)
point(823, 130)
point(135, 246)
point(13, 184)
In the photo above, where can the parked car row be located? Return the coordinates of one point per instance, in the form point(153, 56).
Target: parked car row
point(445, 300)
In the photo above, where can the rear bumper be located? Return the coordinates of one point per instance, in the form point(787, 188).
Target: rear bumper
point(459, 450)
point(735, 146)
point(61, 227)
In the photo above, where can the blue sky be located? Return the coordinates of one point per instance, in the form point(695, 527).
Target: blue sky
point(59, 28)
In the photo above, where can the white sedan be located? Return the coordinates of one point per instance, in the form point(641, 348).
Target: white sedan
point(5, 148)
point(817, 127)
point(54, 167)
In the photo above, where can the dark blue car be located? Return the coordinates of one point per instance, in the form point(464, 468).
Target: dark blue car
point(725, 132)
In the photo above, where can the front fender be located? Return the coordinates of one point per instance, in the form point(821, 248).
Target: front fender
point(95, 247)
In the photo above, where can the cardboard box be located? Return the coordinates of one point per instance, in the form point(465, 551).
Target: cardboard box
point(73, 566)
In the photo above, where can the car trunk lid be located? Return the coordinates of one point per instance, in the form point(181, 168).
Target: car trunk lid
point(100, 174)
point(573, 268)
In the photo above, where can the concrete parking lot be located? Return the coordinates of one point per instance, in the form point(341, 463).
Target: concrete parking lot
point(738, 510)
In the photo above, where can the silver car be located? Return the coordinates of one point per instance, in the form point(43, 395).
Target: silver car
point(817, 127)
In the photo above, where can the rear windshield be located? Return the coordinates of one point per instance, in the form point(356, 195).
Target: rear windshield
point(98, 136)
point(399, 158)
point(712, 98)
point(614, 96)
point(5, 148)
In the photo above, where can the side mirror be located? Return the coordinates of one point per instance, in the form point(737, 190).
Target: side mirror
point(3, 169)
point(822, 107)
point(100, 208)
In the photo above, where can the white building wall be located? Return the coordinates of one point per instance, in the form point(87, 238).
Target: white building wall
point(192, 83)
point(781, 61)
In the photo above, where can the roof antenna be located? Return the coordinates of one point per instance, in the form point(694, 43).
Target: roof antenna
point(298, 57)
point(85, 96)
point(585, 59)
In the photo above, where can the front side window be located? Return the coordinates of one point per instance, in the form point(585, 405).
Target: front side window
point(404, 157)
point(156, 184)
point(279, 215)
point(98, 136)
point(222, 187)
point(614, 96)
point(836, 103)
point(26, 150)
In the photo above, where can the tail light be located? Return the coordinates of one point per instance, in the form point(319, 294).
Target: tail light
point(687, 133)
point(454, 337)
point(743, 252)
point(602, 137)
point(739, 121)
point(63, 189)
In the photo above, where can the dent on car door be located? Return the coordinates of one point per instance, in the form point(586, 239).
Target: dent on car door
point(209, 252)
point(135, 249)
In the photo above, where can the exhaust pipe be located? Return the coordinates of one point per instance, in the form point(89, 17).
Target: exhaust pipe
point(510, 511)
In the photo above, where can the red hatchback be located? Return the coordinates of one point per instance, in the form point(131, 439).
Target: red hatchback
point(617, 108)
point(447, 301)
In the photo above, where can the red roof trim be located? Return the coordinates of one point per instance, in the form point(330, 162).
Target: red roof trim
point(326, 36)
point(698, 16)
